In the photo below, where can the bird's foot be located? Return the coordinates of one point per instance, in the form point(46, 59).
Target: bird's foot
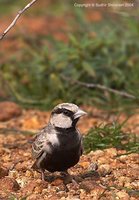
point(68, 178)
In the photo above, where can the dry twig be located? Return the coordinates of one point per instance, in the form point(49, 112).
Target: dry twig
point(16, 18)
point(101, 87)
point(16, 131)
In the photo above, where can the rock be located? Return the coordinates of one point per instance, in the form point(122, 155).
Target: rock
point(123, 158)
point(82, 194)
point(96, 153)
point(9, 184)
point(31, 124)
point(104, 169)
point(124, 181)
point(135, 185)
point(21, 166)
point(9, 110)
point(57, 182)
point(93, 167)
point(29, 173)
point(34, 186)
point(133, 198)
point(97, 192)
point(87, 185)
point(3, 172)
point(73, 198)
point(32, 197)
point(84, 164)
point(92, 188)
point(122, 195)
point(111, 152)
point(103, 160)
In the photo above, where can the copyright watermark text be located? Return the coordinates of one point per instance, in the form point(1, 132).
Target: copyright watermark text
point(110, 4)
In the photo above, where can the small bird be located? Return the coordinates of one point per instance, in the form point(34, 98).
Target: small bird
point(58, 146)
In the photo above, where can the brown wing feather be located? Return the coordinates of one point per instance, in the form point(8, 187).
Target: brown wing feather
point(39, 144)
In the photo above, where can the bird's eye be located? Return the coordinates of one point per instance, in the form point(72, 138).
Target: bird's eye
point(66, 112)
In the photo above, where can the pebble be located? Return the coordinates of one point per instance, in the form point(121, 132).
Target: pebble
point(57, 182)
point(104, 169)
point(9, 184)
point(122, 195)
point(112, 152)
point(84, 164)
point(96, 153)
point(3, 172)
point(9, 110)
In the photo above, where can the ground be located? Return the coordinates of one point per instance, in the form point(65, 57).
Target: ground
point(116, 176)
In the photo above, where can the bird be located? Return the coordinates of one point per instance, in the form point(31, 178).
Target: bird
point(58, 146)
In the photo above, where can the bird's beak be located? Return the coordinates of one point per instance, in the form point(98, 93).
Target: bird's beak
point(79, 113)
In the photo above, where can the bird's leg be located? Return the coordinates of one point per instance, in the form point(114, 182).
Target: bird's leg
point(68, 178)
point(42, 175)
point(38, 164)
point(39, 170)
point(65, 173)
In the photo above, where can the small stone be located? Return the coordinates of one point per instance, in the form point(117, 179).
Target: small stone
point(133, 198)
point(21, 166)
point(29, 173)
point(84, 164)
point(22, 181)
point(13, 173)
point(33, 197)
point(73, 198)
point(122, 195)
point(97, 192)
point(103, 160)
point(96, 153)
point(93, 167)
point(104, 169)
point(37, 190)
point(87, 185)
point(54, 197)
point(31, 124)
point(135, 185)
point(123, 158)
point(128, 185)
point(124, 181)
point(82, 194)
point(9, 184)
point(62, 198)
point(3, 172)
point(9, 110)
point(57, 182)
point(112, 152)
point(34, 186)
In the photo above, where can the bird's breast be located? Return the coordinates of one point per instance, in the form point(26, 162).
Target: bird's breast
point(68, 141)
point(65, 152)
point(62, 159)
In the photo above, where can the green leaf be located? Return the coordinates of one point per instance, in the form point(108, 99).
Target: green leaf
point(73, 40)
point(89, 69)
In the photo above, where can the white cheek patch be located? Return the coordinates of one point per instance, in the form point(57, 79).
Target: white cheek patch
point(61, 121)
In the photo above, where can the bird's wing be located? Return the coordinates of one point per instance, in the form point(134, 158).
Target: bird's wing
point(40, 144)
point(81, 149)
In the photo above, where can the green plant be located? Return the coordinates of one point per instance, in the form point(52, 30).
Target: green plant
point(110, 135)
point(106, 54)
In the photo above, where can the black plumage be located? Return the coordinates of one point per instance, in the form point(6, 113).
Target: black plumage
point(58, 146)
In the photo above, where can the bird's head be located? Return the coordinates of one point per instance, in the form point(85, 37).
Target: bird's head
point(66, 115)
